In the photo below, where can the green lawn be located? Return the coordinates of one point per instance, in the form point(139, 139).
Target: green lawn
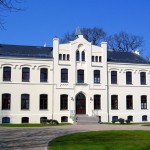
point(32, 125)
point(103, 140)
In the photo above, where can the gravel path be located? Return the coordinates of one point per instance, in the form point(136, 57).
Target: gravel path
point(38, 138)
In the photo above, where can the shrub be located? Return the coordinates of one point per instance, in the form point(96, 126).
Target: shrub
point(128, 121)
point(121, 120)
point(114, 121)
point(50, 121)
point(55, 122)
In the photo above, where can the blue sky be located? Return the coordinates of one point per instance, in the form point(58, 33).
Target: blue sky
point(44, 19)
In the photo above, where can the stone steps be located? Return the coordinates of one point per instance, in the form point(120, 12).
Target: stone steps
point(85, 119)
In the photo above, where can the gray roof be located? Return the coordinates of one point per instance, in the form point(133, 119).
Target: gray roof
point(25, 51)
point(47, 52)
point(126, 57)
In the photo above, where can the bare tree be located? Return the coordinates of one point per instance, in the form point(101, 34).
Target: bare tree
point(94, 35)
point(8, 6)
point(125, 42)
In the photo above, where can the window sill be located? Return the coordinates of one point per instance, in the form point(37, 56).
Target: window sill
point(64, 110)
point(113, 83)
point(43, 109)
point(114, 109)
point(64, 82)
point(81, 84)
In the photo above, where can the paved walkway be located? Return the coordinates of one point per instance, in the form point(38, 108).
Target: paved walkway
point(38, 138)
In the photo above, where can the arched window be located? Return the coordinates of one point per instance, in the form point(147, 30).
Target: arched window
point(97, 102)
point(43, 120)
point(92, 58)
point(43, 74)
point(6, 98)
point(143, 78)
point(7, 74)
point(113, 77)
point(68, 57)
point(100, 59)
point(25, 119)
point(80, 76)
point(25, 74)
point(5, 120)
point(128, 77)
point(96, 76)
point(43, 101)
point(60, 56)
point(64, 119)
point(130, 118)
point(64, 56)
point(63, 102)
point(114, 101)
point(96, 58)
point(144, 118)
point(24, 101)
point(64, 75)
point(77, 56)
point(83, 56)
point(114, 118)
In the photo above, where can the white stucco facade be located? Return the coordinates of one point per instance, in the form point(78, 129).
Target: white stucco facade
point(65, 57)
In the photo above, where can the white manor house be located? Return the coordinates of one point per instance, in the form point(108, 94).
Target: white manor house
point(76, 78)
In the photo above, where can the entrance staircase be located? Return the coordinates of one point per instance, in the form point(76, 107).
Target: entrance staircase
point(85, 119)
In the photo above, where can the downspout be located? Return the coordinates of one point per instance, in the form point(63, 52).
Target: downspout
point(53, 93)
point(107, 93)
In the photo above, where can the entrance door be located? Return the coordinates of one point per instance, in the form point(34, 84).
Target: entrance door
point(80, 104)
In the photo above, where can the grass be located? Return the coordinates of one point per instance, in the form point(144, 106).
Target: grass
point(103, 140)
point(32, 125)
point(148, 124)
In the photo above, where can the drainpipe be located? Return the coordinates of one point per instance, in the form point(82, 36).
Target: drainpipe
point(53, 93)
point(108, 93)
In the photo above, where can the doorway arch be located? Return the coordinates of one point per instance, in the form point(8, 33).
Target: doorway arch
point(80, 103)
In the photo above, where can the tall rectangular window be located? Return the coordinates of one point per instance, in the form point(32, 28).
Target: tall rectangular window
point(43, 74)
point(25, 74)
point(97, 102)
point(143, 102)
point(114, 101)
point(96, 76)
point(80, 75)
point(7, 74)
point(64, 75)
point(6, 101)
point(128, 77)
point(60, 56)
point(143, 78)
point(63, 102)
point(92, 58)
point(129, 102)
point(43, 101)
point(25, 102)
point(77, 56)
point(113, 77)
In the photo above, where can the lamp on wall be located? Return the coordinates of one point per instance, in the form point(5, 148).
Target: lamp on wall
point(72, 98)
point(91, 98)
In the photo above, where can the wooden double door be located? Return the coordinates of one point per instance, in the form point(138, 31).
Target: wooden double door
point(80, 104)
